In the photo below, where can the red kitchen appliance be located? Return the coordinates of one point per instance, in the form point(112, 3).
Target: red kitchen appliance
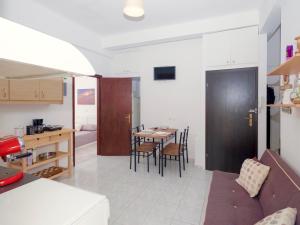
point(11, 148)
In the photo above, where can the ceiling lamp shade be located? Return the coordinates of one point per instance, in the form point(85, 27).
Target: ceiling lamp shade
point(134, 8)
point(25, 45)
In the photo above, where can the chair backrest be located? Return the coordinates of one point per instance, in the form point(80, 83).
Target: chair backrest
point(132, 131)
point(181, 142)
point(186, 135)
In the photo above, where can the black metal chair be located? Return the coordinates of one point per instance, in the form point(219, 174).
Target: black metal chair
point(146, 148)
point(174, 149)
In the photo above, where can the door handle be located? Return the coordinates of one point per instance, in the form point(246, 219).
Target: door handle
point(250, 119)
point(128, 117)
point(255, 110)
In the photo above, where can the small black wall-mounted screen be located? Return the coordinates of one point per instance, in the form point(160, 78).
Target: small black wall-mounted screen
point(165, 73)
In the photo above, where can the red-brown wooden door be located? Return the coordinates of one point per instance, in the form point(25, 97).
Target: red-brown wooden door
point(115, 116)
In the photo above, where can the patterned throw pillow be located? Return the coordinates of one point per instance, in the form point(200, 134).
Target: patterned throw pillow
point(252, 176)
point(282, 217)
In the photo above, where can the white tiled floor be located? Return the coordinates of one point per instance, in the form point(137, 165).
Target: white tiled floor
point(143, 198)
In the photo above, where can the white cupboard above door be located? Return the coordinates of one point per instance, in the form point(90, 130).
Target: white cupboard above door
point(231, 49)
point(244, 46)
point(217, 49)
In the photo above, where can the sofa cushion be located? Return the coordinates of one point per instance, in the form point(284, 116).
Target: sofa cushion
point(229, 203)
point(252, 176)
point(281, 188)
point(285, 216)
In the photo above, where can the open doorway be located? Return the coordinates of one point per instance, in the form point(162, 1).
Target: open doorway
point(273, 91)
point(85, 102)
point(136, 102)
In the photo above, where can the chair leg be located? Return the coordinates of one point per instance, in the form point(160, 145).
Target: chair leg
point(148, 161)
point(130, 159)
point(183, 161)
point(138, 157)
point(179, 167)
point(162, 165)
point(187, 155)
point(159, 156)
point(154, 155)
point(165, 160)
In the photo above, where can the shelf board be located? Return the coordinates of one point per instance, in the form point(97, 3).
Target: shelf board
point(290, 67)
point(65, 171)
point(285, 105)
point(59, 155)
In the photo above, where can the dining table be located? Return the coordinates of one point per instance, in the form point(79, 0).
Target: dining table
point(157, 133)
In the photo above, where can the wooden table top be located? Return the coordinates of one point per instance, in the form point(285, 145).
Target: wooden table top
point(158, 133)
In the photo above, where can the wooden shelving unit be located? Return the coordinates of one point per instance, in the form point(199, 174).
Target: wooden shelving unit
point(45, 139)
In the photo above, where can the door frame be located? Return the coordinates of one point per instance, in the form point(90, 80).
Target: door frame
point(257, 100)
point(98, 80)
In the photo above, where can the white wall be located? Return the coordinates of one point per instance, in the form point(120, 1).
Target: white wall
point(172, 103)
point(32, 14)
point(12, 116)
point(21, 115)
point(85, 114)
point(290, 124)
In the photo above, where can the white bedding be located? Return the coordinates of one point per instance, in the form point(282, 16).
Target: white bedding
point(47, 202)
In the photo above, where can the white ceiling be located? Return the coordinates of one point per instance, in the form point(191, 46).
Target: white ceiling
point(105, 16)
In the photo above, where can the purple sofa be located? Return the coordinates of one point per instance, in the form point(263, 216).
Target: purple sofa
point(229, 204)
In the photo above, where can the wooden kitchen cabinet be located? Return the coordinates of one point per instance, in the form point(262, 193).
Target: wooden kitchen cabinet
point(51, 90)
point(4, 90)
point(24, 90)
point(35, 91)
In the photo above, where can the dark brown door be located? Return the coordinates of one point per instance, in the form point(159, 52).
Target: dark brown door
point(115, 118)
point(231, 118)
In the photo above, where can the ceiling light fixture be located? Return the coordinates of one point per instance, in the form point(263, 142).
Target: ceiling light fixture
point(134, 8)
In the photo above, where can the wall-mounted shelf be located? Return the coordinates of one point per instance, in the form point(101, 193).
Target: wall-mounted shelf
point(285, 105)
point(290, 67)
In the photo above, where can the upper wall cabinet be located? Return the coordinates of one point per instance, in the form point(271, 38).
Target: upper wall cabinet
point(24, 90)
point(41, 91)
point(234, 48)
point(51, 90)
point(4, 90)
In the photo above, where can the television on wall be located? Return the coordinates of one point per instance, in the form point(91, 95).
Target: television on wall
point(165, 73)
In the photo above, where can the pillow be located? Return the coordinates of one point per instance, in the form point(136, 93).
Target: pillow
point(252, 176)
point(77, 127)
point(282, 217)
point(88, 127)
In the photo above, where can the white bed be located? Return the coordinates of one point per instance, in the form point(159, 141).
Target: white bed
point(47, 202)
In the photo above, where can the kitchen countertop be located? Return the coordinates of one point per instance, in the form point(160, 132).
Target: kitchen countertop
point(26, 179)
